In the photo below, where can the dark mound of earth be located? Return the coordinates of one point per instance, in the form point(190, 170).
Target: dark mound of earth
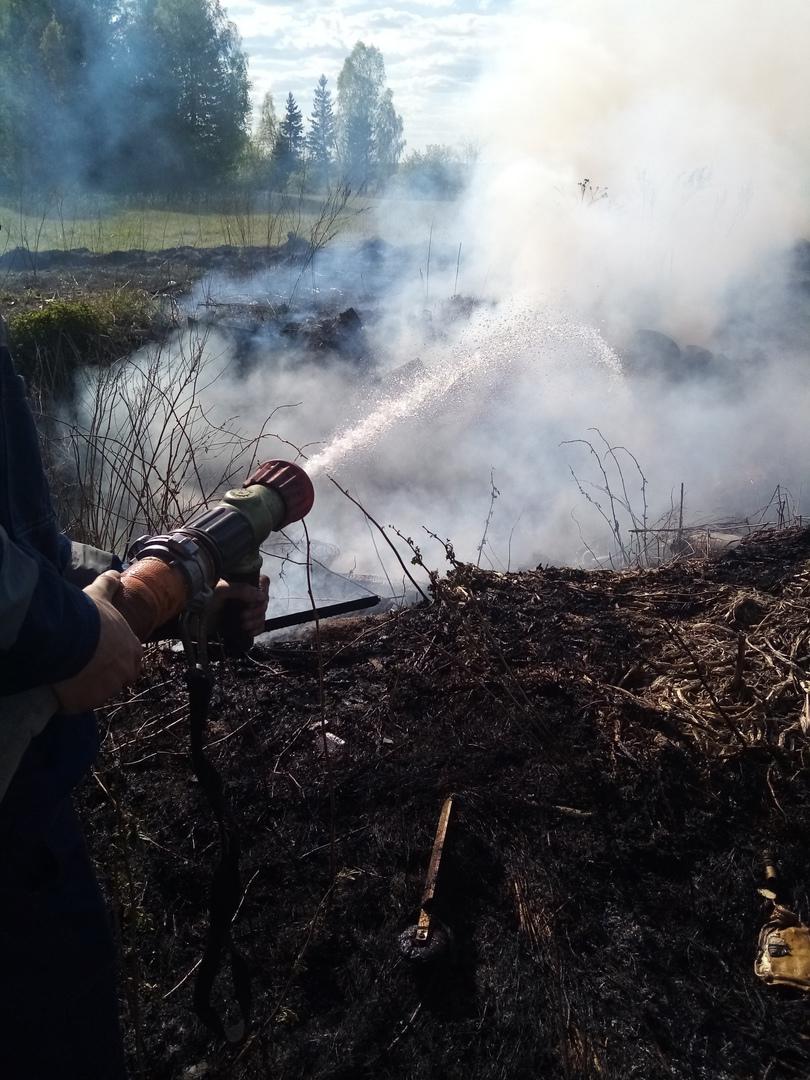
point(170, 271)
point(23, 259)
point(623, 747)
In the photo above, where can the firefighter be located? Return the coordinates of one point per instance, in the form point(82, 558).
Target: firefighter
point(64, 649)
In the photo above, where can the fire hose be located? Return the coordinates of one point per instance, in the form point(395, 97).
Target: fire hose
point(172, 576)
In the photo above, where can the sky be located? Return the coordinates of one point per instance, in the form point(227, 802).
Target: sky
point(434, 51)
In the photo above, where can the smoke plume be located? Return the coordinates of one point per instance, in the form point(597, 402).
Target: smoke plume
point(643, 168)
point(686, 121)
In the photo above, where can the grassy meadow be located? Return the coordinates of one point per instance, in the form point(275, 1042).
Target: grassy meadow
point(101, 225)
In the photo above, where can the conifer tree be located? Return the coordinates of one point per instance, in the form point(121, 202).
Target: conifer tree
point(138, 94)
point(288, 151)
point(321, 135)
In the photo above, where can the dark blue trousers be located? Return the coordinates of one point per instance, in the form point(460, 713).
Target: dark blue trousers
point(58, 1002)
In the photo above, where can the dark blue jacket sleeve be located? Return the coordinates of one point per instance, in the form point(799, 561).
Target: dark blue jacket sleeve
point(57, 637)
point(52, 630)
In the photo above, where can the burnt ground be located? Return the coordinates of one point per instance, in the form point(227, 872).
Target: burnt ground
point(30, 282)
point(623, 746)
point(102, 306)
point(75, 308)
point(26, 275)
point(170, 271)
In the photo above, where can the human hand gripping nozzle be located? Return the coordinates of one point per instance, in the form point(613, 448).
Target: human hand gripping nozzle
point(172, 572)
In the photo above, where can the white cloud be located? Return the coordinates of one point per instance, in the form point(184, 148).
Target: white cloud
point(433, 50)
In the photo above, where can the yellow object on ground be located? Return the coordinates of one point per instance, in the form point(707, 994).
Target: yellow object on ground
point(783, 950)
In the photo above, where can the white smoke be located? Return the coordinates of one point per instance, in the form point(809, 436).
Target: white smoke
point(687, 117)
point(643, 165)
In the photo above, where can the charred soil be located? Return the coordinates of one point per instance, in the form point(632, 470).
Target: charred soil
point(622, 746)
point(73, 308)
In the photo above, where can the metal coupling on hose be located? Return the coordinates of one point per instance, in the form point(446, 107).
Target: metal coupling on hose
point(199, 563)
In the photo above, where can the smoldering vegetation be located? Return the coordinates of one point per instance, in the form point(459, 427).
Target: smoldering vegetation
point(456, 358)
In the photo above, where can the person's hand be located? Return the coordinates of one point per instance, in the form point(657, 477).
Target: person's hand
point(252, 601)
point(116, 661)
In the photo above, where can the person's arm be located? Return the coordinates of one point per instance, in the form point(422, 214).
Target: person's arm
point(28, 700)
point(113, 661)
point(23, 715)
point(49, 628)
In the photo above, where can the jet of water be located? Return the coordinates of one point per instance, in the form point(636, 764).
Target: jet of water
point(493, 341)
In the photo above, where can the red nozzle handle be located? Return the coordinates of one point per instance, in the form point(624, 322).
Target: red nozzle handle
point(292, 484)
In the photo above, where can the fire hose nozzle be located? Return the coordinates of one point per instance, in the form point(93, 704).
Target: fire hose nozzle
point(169, 572)
point(293, 485)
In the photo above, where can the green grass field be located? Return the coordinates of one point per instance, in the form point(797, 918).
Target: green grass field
point(106, 226)
point(103, 224)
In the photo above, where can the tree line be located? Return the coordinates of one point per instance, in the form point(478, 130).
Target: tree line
point(154, 96)
point(357, 141)
point(138, 95)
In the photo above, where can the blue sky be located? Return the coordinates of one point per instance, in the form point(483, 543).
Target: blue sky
point(433, 51)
